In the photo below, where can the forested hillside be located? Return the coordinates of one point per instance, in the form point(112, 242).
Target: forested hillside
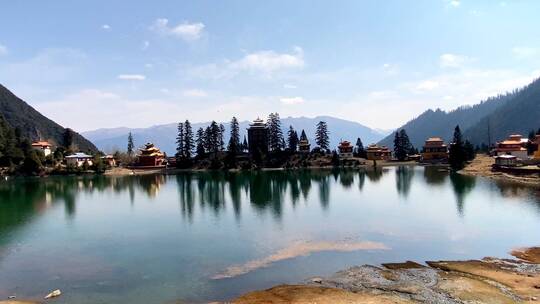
point(33, 125)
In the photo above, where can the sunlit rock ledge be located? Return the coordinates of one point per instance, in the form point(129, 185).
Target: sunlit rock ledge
point(490, 280)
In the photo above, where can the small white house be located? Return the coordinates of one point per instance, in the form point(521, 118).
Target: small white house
point(78, 159)
point(42, 146)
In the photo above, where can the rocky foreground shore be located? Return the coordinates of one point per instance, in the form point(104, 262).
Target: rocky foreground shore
point(489, 281)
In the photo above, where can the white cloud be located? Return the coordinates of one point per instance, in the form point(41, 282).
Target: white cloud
point(452, 60)
point(292, 100)
point(525, 52)
point(194, 93)
point(131, 77)
point(106, 27)
point(289, 86)
point(186, 31)
point(390, 69)
point(427, 85)
point(454, 3)
point(146, 45)
point(3, 50)
point(270, 61)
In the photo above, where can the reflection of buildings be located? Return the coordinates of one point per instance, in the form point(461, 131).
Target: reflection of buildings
point(376, 152)
point(434, 150)
point(258, 137)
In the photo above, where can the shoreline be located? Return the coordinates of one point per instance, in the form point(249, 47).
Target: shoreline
point(489, 280)
point(481, 166)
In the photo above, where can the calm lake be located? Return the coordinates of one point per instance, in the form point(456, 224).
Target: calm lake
point(197, 237)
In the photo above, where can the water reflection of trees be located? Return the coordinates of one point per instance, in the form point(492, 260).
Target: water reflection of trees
point(404, 177)
point(264, 191)
point(462, 186)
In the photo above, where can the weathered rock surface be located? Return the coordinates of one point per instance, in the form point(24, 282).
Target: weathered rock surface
point(489, 281)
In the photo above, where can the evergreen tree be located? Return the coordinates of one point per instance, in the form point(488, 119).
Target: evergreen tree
point(321, 136)
point(234, 140)
point(292, 139)
point(470, 152)
point(188, 140)
point(68, 139)
point(31, 164)
point(402, 145)
point(221, 139)
point(275, 134)
point(130, 145)
point(360, 150)
point(457, 155)
point(180, 141)
point(245, 146)
point(200, 142)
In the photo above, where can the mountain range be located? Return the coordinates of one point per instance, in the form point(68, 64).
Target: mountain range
point(163, 136)
point(514, 112)
point(33, 125)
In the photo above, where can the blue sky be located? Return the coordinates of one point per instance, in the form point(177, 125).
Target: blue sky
point(93, 64)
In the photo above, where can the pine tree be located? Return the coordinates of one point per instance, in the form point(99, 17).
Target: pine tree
point(402, 145)
point(199, 141)
point(180, 141)
point(221, 136)
point(188, 140)
point(130, 145)
point(321, 136)
point(360, 150)
point(234, 140)
point(275, 134)
point(245, 146)
point(457, 155)
point(68, 139)
point(292, 139)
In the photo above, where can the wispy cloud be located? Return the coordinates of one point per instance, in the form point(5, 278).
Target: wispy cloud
point(186, 31)
point(106, 27)
point(454, 3)
point(3, 50)
point(292, 100)
point(270, 61)
point(525, 52)
point(145, 45)
point(131, 77)
point(452, 60)
point(289, 86)
point(194, 93)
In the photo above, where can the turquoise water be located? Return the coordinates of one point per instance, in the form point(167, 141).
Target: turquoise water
point(165, 239)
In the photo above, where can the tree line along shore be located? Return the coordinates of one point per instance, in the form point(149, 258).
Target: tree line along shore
point(266, 146)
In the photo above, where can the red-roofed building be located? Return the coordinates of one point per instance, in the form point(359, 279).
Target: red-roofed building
point(514, 145)
point(43, 146)
point(345, 149)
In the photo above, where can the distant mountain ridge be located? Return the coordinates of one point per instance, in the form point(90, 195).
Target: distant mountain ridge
point(164, 136)
point(514, 112)
point(34, 125)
